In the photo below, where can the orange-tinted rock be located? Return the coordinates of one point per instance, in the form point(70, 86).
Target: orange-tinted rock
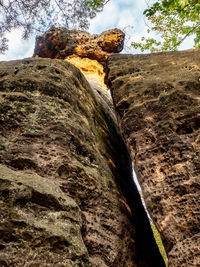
point(156, 98)
point(111, 41)
point(91, 68)
point(60, 43)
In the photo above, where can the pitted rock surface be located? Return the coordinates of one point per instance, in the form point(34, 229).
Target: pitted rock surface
point(61, 43)
point(62, 161)
point(156, 98)
point(40, 225)
point(54, 133)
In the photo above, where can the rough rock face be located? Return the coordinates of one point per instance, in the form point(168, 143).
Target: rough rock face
point(156, 98)
point(61, 43)
point(39, 223)
point(62, 162)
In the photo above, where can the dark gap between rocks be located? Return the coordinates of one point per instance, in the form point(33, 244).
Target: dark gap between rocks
point(147, 250)
point(154, 229)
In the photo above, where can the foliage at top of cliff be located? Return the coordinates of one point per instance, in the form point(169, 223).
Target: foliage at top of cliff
point(174, 21)
point(36, 16)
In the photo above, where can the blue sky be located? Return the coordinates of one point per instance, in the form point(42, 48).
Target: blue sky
point(123, 14)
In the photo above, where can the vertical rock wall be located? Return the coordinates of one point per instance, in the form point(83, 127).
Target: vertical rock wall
point(63, 168)
point(156, 98)
point(60, 204)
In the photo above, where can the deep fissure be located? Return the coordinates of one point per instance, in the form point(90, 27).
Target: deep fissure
point(154, 229)
point(145, 241)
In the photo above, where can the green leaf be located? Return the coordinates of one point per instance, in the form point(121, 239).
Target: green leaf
point(173, 21)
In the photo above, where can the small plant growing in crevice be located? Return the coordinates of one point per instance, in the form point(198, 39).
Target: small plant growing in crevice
point(159, 242)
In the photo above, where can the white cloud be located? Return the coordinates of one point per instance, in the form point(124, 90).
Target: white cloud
point(106, 19)
point(188, 43)
point(118, 13)
point(18, 48)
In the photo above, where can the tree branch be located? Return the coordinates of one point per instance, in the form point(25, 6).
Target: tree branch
point(187, 35)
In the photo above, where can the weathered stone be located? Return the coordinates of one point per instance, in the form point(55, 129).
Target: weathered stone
point(61, 43)
point(156, 98)
point(40, 225)
point(62, 162)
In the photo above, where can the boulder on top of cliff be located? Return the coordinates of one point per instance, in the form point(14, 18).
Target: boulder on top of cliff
point(60, 43)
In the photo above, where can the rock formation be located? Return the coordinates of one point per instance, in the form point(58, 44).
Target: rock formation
point(61, 43)
point(156, 98)
point(86, 51)
point(66, 192)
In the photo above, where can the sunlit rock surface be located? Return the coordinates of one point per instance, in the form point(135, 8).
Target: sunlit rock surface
point(63, 171)
point(92, 69)
point(157, 101)
point(86, 51)
point(60, 43)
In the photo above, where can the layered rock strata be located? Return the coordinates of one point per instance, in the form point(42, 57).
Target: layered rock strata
point(156, 98)
point(63, 168)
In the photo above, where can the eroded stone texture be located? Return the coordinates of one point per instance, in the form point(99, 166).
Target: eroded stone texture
point(61, 162)
point(61, 43)
point(156, 98)
point(40, 225)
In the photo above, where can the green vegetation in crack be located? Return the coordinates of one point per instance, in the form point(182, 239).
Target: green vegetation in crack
point(159, 242)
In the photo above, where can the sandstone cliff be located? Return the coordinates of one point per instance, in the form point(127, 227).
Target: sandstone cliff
point(156, 98)
point(66, 192)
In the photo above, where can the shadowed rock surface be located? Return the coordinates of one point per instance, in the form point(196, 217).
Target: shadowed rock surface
point(53, 131)
point(62, 162)
point(40, 225)
point(61, 43)
point(156, 98)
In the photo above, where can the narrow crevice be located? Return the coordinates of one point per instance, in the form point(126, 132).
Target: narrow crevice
point(147, 250)
point(156, 234)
